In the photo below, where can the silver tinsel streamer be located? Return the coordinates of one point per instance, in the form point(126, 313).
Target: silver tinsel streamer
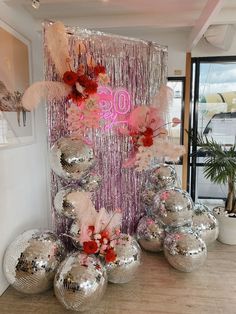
point(140, 67)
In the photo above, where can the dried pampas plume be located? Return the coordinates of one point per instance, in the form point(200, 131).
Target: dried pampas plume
point(163, 99)
point(40, 90)
point(57, 43)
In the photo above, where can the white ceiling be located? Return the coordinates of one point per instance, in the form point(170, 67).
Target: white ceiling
point(194, 15)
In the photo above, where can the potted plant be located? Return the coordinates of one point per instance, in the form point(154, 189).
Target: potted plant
point(220, 168)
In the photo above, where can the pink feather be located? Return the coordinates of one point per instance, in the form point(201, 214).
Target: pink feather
point(163, 99)
point(57, 43)
point(40, 90)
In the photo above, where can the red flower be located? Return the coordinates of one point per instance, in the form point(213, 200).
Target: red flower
point(83, 80)
point(110, 255)
point(70, 77)
point(99, 69)
point(76, 96)
point(91, 228)
point(90, 247)
point(104, 234)
point(147, 141)
point(148, 132)
point(91, 87)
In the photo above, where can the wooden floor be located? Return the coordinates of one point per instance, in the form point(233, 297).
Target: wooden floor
point(158, 288)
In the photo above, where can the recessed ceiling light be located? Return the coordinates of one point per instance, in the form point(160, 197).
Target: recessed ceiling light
point(35, 4)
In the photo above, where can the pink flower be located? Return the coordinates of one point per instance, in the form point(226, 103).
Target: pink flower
point(164, 196)
point(175, 122)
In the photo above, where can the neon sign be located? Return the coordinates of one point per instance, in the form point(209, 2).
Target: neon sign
point(115, 105)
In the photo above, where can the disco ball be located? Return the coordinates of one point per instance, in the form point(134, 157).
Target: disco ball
point(91, 182)
point(31, 261)
point(205, 223)
point(185, 250)
point(148, 196)
point(174, 207)
point(74, 233)
point(163, 176)
point(127, 262)
point(67, 200)
point(150, 234)
point(71, 158)
point(80, 282)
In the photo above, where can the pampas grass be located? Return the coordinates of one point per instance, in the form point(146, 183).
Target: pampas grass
point(40, 90)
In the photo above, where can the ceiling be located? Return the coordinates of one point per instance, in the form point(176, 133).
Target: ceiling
point(153, 15)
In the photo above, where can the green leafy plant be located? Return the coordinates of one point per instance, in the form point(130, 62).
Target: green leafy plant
point(220, 167)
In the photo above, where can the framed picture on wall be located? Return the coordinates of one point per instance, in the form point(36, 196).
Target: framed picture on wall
point(16, 124)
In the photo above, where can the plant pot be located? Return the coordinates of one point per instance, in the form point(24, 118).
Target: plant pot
point(227, 229)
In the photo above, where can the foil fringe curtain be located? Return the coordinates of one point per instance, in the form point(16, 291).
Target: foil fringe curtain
point(140, 67)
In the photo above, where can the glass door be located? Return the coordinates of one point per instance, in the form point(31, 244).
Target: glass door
point(213, 116)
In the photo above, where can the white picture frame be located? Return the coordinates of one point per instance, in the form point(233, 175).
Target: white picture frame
point(17, 126)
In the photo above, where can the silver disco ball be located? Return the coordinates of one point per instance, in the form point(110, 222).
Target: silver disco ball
point(80, 282)
point(185, 250)
point(91, 182)
point(74, 233)
point(150, 234)
point(205, 223)
point(174, 207)
point(71, 158)
point(68, 199)
point(148, 196)
point(127, 262)
point(163, 176)
point(31, 261)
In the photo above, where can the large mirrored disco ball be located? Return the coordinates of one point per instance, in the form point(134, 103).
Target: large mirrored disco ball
point(205, 223)
point(185, 250)
point(80, 282)
point(150, 234)
point(31, 261)
point(174, 207)
point(91, 182)
point(127, 262)
point(163, 176)
point(67, 200)
point(71, 158)
point(74, 233)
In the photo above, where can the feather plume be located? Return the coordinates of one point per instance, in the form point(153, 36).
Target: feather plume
point(163, 99)
point(57, 43)
point(39, 90)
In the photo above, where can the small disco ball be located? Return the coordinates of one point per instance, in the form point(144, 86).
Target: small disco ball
point(31, 261)
point(91, 182)
point(148, 196)
point(185, 250)
point(71, 158)
point(66, 201)
point(74, 233)
point(150, 234)
point(174, 207)
point(205, 223)
point(127, 262)
point(80, 282)
point(163, 176)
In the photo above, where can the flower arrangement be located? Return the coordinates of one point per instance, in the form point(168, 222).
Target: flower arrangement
point(149, 136)
point(99, 232)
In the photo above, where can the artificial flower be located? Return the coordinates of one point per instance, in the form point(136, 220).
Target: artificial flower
point(147, 141)
point(99, 69)
point(70, 77)
point(91, 87)
point(110, 255)
point(175, 122)
point(90, 247)
point(103, 79)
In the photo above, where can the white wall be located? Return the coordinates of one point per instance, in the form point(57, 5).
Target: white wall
point(23, 170)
